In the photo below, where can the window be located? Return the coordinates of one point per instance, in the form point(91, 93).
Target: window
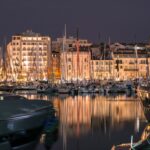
point(69, 67)
point(69, 59)
point(70, 45)
point(143, 62)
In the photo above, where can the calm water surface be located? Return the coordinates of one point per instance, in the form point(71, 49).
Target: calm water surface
point(93, 122)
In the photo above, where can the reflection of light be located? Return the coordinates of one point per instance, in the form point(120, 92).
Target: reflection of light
point(1, 98)
point(81, 113)
point(137, 125)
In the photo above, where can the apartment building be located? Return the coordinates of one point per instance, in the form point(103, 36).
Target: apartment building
point(75, 67)
point(29, 55)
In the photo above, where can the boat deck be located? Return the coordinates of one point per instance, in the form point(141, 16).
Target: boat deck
point(122, 147)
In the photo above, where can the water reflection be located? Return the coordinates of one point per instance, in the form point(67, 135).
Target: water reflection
point(80, 114)
point(83, 115)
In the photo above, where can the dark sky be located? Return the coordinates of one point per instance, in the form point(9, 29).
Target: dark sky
point(122, 20)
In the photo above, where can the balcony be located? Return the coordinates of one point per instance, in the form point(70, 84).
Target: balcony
point(134, 69)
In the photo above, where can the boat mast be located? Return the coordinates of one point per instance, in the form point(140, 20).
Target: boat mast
point(109, 57)
point(99, 38)
point(147, 63)
point(78, 55)
point(64, 69)
point(37, 59)
point(136, 57)
point(5, 63)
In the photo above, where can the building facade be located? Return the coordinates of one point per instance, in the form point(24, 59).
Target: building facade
point(102, 69)
point(73, 68)
point(129, 64)
point(56, 74)
point(70, 43)
point(29, 54)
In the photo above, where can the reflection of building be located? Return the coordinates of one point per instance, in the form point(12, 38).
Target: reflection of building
point(78, 115)
point(30, 54)
point(73, 68)
point(81, 113)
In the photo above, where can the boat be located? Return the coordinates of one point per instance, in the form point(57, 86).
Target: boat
point(83, 89)
point(142, 144)
point(117, 88)
point(46, 90)
point(25, 87)
point(143, 93)
point(64, 90)
point(22, 121)
point(7, 88)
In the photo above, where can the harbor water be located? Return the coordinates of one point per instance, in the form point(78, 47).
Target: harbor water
point(92, 122)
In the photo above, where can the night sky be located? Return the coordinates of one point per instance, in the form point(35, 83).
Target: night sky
point(121, 20)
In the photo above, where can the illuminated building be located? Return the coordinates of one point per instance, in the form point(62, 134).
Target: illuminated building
point(124, 63)
point(73, 69)
point(129, 65)
point(70, 43)
point(102, 69)
point(29, 55)
point(56, 75)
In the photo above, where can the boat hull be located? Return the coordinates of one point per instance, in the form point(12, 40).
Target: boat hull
point(22, 121)
point(144, 96)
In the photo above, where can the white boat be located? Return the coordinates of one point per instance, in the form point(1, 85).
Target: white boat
point(63, 90)
point(83, 90)
point(46, 89)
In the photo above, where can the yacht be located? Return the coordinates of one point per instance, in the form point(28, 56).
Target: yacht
point(142, 144)
point(143, 93)
point(22, 121)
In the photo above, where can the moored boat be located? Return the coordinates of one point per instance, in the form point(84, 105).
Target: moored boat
point(143, 93)
point(142, 144)
point(21, 121)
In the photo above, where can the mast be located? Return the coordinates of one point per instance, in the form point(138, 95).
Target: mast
point(109, 42)
point(78, 55)
point(64, 69)
point(136, 60)
point(5, 63)
point(147, 63)
point(99, 38)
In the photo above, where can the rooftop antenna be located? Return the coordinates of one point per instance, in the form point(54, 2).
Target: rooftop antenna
point(135, 40)
point(109, 41)
point(77, 34)
point(64, 38)
point(99, 41)
point(65, 31)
